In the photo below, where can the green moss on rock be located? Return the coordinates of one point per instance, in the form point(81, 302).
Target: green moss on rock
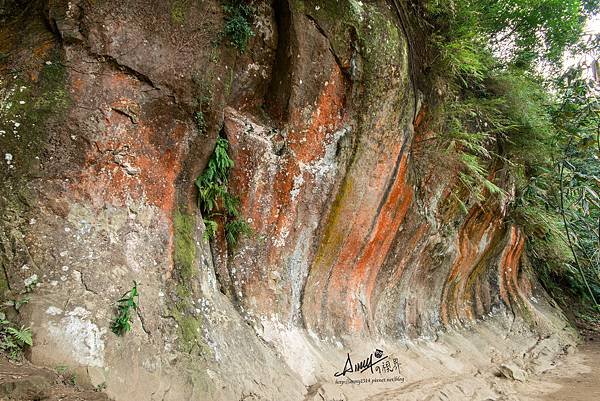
point(185, 247)
point(183, 309)
point(26, 108)
point(381, 45)
point(179, 10)
point(3, 285)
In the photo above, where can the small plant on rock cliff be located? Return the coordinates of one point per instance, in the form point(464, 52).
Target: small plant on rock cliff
point(200, 122)
point(125, 305)
point(214, 198)
point(13, 340)
point(234, 229)
point(68, 377)
point(238, 27)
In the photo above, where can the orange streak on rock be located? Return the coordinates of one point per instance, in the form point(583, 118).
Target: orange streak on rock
point(479, 228)
point(307, 141)
point(129, 160)
point(269, 189)
point(510, 291)
point(363, 277)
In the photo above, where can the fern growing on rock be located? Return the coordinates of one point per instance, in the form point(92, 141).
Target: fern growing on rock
point(215, 200)
point(13, 340)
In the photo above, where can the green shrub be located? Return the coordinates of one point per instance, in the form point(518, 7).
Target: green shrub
point(541, 130)
point(234, 229)
point(538, 30)
point(178, 11)
point(238, 27)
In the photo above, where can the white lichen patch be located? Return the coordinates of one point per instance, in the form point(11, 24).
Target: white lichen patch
point(323, 168)
point(31, 280)
point(76, 333)
point(298, 182)
point(280, 240)
point(54, 311)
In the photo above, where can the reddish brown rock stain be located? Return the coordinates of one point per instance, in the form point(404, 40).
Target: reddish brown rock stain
point(265, 185)
point(510, 288)
point(104, 179)
point(152, 155)
point(478, 225)
point(366, 266)
point(357, 243)
point(306, 142)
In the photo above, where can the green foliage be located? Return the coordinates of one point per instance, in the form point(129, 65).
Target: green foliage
point(31, 286)
point(234, 229)
point(538, 28)
point(214, 198)
point(13, 340)
point(178, 11)
point(68, 377)
point(521, 31)
point(577, 120)
point(100, 387)
point(211, 229)
point(523, 101)
point(17, 303)
point(238, 26)
point(500, 115)
point(558, 205)
point(202, 100)
point(200, 122)
point(125, 306)
point(470, 129)
point(62, 369)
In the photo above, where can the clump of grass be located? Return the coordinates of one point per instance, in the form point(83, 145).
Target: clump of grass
point(125, 306)
point(17, 303)
point(214, 198)
point(178, 12)
point(238, 27)
point(68, 377)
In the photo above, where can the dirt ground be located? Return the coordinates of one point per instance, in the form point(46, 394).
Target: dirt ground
point(585, 384)
point(576, 377)
point(25, 382)
point(572, 377)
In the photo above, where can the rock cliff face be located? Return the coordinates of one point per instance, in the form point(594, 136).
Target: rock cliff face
point(358, 238)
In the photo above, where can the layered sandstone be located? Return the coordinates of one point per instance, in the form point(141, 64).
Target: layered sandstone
point(358, 235)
